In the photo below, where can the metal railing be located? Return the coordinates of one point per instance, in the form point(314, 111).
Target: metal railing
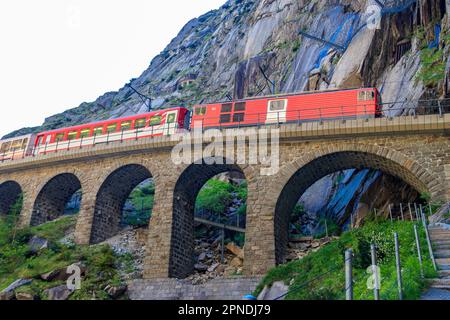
point(326, 121)
point(397, 288)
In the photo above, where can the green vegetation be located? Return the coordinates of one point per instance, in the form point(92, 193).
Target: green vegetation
point(217, 195)
point(320, 275)
point(19, 261)
point(433, 67)
point(432, 59)
point(142, 199)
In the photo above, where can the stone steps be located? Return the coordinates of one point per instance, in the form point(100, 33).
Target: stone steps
point(444, 267)
point(441, 254)
point(444, 274)
point(439, 238)
point(442, 284)
point(443, 261)
point(441, 247)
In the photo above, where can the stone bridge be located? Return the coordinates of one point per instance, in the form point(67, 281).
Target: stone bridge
point(414, 149)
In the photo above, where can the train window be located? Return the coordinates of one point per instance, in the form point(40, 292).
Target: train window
point(126, 125)
point(98, 131)
point(239, 106)
point(140, 123)
point(227, 107)
point(238, 117)
point(72, 135)
point(16, 145)
point(171, 118)
point(85, 133)
point(24, 143)
point(225, 118)
point(111, 128)
point(366, 95)
point(277, 105)
point(200, 111)
point(59, 137)
point(5, 147)
point(155, 120)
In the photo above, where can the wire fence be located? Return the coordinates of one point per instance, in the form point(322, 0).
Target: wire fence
point(396, 289)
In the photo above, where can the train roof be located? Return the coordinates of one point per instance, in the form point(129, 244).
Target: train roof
point(80, 126)
point(18, 137)
point(281, 95)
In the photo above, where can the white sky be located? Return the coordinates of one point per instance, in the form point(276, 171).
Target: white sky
point(56, 54)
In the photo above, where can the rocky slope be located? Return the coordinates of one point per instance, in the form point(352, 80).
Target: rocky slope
point(257, 47)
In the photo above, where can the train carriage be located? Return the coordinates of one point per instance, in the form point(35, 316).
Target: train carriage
point(303, 107)
point(17, 147)
point(153, 124)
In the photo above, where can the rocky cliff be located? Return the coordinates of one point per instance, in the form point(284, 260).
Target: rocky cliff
point(257, 47)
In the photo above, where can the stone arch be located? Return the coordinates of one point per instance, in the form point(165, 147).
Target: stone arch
point(111, 198)
point(53, 196)
point(187, 188)
point(9, 193)
point(297, 176)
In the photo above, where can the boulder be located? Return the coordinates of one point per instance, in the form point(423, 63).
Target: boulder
point(4, 296)
point(202, 257)
point(13, 286)
point(213, 267)
point(116, 291)
point(234, 249)
point(37, 244)
point(25, 296)
point(61, 274)
point(200, 267)
point(58, 293)
point(236, 262)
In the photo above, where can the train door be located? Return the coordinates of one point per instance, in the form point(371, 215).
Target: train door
point(171, 124)
point(277, 111)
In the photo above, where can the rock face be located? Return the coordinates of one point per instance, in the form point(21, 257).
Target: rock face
point(352, 194)
point(230, 52)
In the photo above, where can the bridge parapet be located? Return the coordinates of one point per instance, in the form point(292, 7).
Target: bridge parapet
point(305, 131)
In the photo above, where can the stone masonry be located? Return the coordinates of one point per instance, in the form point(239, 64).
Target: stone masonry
point(414, 149)
point(173, 289)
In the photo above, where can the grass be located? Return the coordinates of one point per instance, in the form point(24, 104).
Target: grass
point(17, 261)
point(320, 276)
point(216, 196)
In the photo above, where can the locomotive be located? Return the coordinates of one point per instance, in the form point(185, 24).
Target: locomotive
point(257, 111)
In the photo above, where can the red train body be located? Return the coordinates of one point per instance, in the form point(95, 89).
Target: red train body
point(153, 124)
point(310, 106)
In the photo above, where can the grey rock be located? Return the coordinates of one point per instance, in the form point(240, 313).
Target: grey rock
point(213, 267)
point(58, 293)
point(116, 291)
point(5, 296)
point(16, 284)
point(202, 257)
point(201, 267)
point(25, 296)
point(37, 244)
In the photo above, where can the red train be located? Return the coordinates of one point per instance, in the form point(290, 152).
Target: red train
point(309, 106)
